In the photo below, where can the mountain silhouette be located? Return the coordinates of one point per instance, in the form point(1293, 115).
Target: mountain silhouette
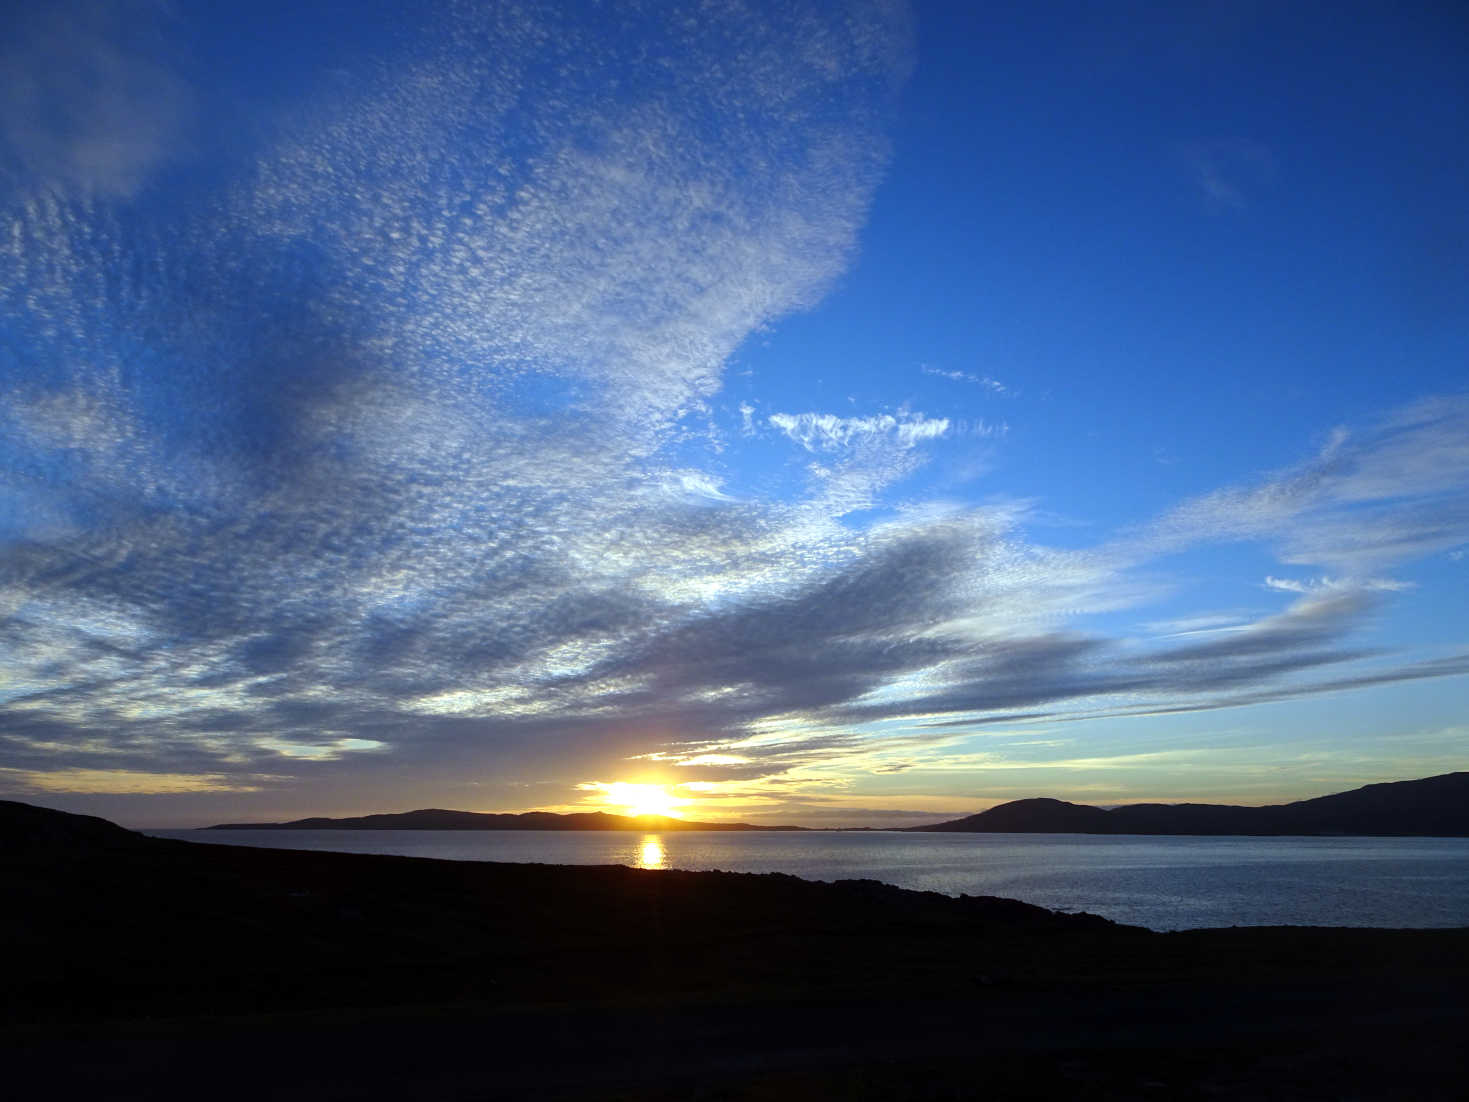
point(439, 819)
point(1431, 807)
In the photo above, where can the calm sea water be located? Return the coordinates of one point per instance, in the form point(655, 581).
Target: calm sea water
point(1161, 883)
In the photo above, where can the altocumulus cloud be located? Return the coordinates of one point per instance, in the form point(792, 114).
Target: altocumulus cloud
point(368, 452)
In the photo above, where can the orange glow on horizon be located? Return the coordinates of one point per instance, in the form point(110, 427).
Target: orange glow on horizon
point(643, 799)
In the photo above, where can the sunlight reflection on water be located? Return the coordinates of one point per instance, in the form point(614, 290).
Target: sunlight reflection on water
point(1166, 883)
point(651, 854)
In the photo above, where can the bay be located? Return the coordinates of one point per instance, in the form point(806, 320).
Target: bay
point(1163, 883)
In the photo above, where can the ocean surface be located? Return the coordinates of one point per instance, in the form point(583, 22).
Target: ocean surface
point(1164, 883)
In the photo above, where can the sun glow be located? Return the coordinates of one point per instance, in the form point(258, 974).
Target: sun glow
point(643, 799)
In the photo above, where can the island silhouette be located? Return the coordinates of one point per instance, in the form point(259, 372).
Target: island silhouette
point(1431, 807)
point(439, 819)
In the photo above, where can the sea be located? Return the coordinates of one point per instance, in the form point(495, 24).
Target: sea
point(1163, 883)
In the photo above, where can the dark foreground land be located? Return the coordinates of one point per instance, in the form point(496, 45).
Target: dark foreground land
point(143, 968)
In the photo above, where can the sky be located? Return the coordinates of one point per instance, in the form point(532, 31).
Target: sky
point(832, 415)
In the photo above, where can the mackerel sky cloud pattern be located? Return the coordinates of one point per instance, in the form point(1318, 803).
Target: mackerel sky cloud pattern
point(417, 442)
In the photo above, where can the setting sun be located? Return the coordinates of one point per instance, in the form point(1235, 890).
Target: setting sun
point(643, 799)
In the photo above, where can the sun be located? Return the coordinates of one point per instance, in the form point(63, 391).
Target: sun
point(643, 799)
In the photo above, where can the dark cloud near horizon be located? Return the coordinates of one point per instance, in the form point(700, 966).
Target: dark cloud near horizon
point(674, 684)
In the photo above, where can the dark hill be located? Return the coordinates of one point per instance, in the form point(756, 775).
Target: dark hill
point(1433, 807)
point(439, 819)
point(140, 967)
point(1041, 815)
point(24, 827)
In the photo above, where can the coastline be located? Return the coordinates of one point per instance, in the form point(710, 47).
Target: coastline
point(355, 975)
point(1162, 883)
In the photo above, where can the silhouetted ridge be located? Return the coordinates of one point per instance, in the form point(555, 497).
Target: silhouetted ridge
point(1433, 806)
point(439, 819)
point(1042, 815)
point(27, 827)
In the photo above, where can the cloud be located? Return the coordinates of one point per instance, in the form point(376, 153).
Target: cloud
point(92, 104)
point(1366, 502)
point(527, 597)
point(641, 229)
point(1200, 624)
point(1316, 585)
point(1229, 172)
point(429, 389)
point(380, 465)
point(1295, 635)
point(826, 432)
point(117, 782)
point(968, 377)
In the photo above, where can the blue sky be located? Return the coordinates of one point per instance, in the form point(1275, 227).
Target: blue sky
point(837, 415)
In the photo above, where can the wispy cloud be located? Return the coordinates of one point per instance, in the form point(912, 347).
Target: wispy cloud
point(122, 783)
point(92, 105)
point(1317, 585)
point(1367, 501)
point(1203, 623)
point(1229, 173)
point(826, 432)
point(985, 381)
point(747, 419)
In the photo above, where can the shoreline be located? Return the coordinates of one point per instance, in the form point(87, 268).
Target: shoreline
point(1219, 881)
point(358, 975)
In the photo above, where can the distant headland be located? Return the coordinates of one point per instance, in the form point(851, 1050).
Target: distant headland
point(1431, 807)
point(439, 819)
